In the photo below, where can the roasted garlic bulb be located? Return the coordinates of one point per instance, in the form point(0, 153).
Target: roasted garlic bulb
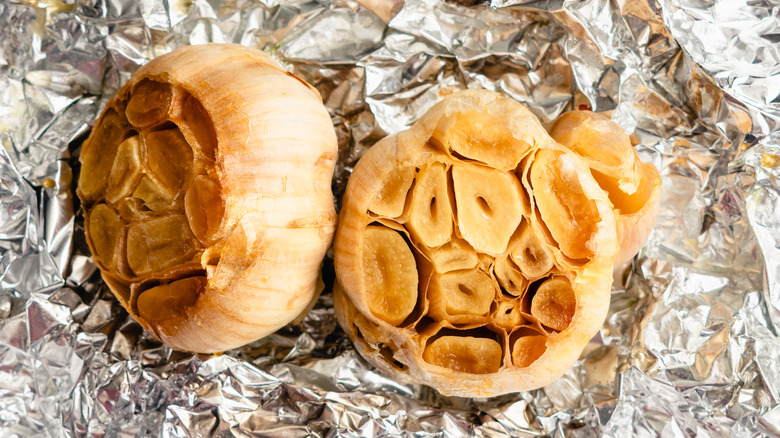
point(474, 253)
point(206, 193)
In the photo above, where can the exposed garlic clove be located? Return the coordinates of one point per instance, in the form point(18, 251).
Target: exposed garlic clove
point(452, 256)
point(206, 190)
point(149, 102)
point(633, 187)
point(464, 354)
point(126, 170)
point(528, 349)
point(107, 239)
point(390, 271)
point(430, 216)
point(568, 210)
point(460, 294)
point(157, 244)
point(488, 207)
point(529, 253)
point(390, 200)
point(480, 320)
point(170, 301)
point(554, 303)
point(204, 208)
point(511, 279)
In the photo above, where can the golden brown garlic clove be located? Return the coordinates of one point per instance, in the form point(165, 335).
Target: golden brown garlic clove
point(633, 187)
point(206, 191)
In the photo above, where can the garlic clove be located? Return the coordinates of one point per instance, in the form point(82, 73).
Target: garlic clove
point(554, 303)
point(390, 271)
point(464, 354)
point(430, 216)
point(633, 187)
point(488, 206)
point(460, 294)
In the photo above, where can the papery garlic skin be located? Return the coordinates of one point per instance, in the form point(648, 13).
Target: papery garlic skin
point(559, 232)
point(226, 209)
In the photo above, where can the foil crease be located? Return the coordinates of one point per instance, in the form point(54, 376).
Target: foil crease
point(690, 346)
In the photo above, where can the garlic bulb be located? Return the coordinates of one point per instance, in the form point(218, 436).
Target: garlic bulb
point(206, 193)
point(474, 253)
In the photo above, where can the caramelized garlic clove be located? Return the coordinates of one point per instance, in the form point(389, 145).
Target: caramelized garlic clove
point(529, 252)
point(488, 206)
point(390, 200)
point(507, 315)
point(527, 349)
point(98, 154)
point(159, 243)
point(430, 215)
point(554, 303)
point(452, 256)
point(170, 301)
point(632, 186)
point(197, 127)
point(204, 207)
point(465, 354)
point(480, 136)
point(106, 240)
point(511, 280)
point(149, 103)
point(460, 293)
point(169, 157)
point(390, 273)
point(126, 170)
point(154, 194)
point(567, 211)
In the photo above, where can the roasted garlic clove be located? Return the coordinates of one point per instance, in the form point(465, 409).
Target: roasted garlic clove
point(390, 271)
point(488, 206)
point(633, 187)
point(206, 191)
point(503, 238)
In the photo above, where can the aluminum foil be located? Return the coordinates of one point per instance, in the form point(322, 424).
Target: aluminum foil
point(690, 347)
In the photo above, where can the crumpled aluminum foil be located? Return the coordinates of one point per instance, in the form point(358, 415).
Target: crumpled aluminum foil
point(691, 344)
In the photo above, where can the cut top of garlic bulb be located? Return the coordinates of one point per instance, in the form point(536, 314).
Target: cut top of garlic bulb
point(474, 253)
point(206, 193)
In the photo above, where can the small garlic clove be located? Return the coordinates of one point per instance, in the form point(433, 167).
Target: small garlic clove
point(126, 170)
point(430, 216)
point(528, 349)
point(204, 208)
point(554, 303)
point(390, 200)
point(460, 293)
point(170, 301)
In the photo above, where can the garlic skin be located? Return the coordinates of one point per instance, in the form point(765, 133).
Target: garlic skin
point(513, 243)
point(206, 187)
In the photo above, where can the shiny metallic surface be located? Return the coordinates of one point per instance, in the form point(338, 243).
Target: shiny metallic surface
point(690, 346)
